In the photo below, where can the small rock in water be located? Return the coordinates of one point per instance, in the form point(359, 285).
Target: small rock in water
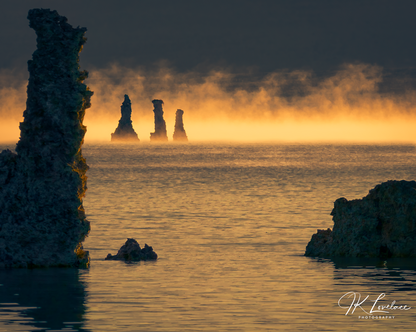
point(131, 251)
point(382, 224)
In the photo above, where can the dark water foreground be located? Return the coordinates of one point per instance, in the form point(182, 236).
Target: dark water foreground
point(230, 223)
point(41, 299)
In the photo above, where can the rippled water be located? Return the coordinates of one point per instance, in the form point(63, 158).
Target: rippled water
point(230, 223)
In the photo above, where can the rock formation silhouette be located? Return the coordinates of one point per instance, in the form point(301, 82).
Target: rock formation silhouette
point(125, 131)
point(179, 133)
point(382, 224)
point(160, 133)
point(131, 251)
point(42, 220)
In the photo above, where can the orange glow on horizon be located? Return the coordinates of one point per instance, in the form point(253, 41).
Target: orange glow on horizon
point(395, 130)
point(345, 107)
point(287, 131)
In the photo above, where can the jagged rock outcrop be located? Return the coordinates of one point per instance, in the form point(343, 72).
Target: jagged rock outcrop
point(42, 220)
point(125, 131)
point(131, 251)
point(160, 133)
point(382, 224)
point(179, 133)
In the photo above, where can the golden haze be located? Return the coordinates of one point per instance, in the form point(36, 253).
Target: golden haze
point(344, 107)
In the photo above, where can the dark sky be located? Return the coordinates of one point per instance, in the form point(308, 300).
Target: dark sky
point(235, 34)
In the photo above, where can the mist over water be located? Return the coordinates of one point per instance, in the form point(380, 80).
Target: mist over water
point(221, 105)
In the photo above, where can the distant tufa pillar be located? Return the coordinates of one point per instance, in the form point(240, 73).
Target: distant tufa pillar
point(125, 131)
point(179, 134)
point(160, 133)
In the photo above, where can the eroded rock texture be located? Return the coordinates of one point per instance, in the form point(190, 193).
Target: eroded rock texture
point(42, 220)
point(382, 224)
point(125, 131)
point(179, 133)
point(160, 133)
point(131, 251)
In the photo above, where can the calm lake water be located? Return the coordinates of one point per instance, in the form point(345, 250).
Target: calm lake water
point(230, 223)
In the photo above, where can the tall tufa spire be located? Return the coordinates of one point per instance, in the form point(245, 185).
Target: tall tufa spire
point(42, 219)
point(179, 134)
point(125, 131)
point(160, 133)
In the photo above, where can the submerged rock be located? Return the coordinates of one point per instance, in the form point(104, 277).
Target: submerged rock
point(179, 134)
point(125, 131)
point(160, 133)
point(131, 251)
point(42, 220)
point(382, 224)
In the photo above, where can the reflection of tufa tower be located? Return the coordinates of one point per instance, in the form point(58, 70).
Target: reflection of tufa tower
point(125, 131)
point(179, 134)
point(160, 133)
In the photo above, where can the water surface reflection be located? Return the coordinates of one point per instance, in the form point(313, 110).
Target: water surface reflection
point(42, 299)
point(387, 283)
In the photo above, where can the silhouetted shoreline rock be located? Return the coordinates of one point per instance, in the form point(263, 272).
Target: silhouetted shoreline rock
point(42, 220)
point(124, 130)
point(131, 251)
point(160, 133)
point(382, 224)
point(179, 133)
